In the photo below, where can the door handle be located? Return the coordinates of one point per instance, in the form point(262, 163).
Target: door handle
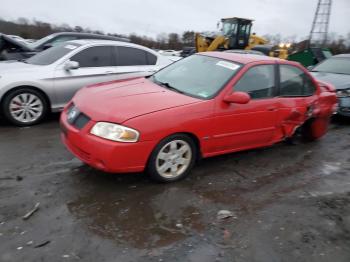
point(109, 72)
point(271, 108)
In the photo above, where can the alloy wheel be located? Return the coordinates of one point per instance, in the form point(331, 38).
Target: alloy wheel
point(26, 107)
point(174, 159)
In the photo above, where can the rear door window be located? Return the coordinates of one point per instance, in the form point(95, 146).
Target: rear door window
point(295, 82)
point(129, 56)
point(97, 56)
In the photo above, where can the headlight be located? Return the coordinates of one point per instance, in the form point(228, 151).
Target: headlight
point(343, 93)
point(115, 132)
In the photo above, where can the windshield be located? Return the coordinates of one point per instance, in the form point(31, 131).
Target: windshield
point(52, 54)
point(41, 41)
point(228, 28)
point(198, 75)
point(334, 65)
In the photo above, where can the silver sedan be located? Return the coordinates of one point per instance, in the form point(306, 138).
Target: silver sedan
point(44, 83)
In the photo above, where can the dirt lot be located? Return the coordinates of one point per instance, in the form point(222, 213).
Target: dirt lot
point(289, 203)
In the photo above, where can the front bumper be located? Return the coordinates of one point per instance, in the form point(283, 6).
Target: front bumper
point(105, 155)
point(344, 106)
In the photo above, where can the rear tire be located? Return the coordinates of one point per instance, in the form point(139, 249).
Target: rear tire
point(314, 129)
point(25, 107)
point(172, 159)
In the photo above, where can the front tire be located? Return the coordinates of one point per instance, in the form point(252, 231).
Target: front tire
point(172, 159)
point(25, 107)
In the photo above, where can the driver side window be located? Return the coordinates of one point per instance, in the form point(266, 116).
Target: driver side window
point(258, 82)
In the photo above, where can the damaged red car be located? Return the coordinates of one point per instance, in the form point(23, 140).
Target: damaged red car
point(205, 105)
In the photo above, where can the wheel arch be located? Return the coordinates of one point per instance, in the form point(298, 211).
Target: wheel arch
point(196, 142)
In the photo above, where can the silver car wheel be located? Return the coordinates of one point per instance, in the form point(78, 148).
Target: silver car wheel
point(26, 107)
point(173, 159)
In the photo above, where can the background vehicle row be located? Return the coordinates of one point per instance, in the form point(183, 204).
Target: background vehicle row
point(14, 48)
point(31, 88)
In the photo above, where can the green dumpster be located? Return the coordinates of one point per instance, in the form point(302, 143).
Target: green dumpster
point(310, 56)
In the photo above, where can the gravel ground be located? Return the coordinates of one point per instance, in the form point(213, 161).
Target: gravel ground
point(287, 203)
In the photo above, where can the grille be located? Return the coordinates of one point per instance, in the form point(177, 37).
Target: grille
point(81, 121)
point(78, 119)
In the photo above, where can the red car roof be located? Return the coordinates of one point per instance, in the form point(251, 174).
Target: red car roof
point(241, 58)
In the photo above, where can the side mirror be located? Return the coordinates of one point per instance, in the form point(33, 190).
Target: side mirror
point(70, 65)
point(310, 68)
point(237, 98)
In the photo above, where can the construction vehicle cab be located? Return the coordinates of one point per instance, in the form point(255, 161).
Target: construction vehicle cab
point(237, 30)
point(235, 33)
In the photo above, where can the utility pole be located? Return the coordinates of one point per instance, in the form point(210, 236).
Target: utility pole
point(320, 25)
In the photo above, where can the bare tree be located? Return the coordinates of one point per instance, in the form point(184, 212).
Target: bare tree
point(37, 29)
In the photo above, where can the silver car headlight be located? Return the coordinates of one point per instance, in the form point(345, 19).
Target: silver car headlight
point(343, 93)
point(115, 132)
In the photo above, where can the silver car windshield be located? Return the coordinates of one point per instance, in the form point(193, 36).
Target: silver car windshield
point(334, 65)
point(198, 75)
point(39, 42)
point(52, 54)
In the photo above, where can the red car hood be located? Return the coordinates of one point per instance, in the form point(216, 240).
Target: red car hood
point(122, 100)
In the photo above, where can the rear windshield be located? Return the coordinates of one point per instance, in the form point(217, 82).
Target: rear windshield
point(52, 54)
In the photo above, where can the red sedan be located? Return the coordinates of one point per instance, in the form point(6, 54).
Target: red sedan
point(204, 105)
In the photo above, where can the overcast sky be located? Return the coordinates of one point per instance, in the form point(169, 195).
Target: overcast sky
point(151, 17)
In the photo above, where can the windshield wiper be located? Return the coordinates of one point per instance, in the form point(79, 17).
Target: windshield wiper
point(168, 86)
point(329, 72)
point(339, 73)
point(23, 61)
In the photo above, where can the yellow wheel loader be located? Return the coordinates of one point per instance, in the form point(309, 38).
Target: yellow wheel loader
point(236, 34)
